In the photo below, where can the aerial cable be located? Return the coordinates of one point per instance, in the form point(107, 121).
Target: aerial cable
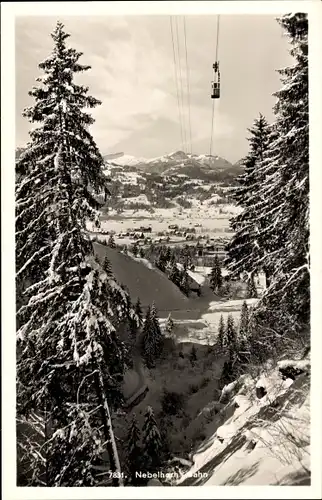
point(213, 102)
point(217, 43)
point(177, 86)
point(212, 126)
point(188, 84)
point(181, 86)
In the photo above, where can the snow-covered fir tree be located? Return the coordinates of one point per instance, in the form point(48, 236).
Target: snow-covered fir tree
point(152, 336)
point(133, 322)
point(59, 104)
point(169, 325)
point(135, 249)
point(231, 334)
point(243, 347)
point(280, 203)
point(175, 275)
point(152, 444)
point(216, 276)
point(107, 266)
point(141, 253)
point(161, 262)
point(243, 351)
point(251, 287)
point(70, 361)
point(221, 339)
point(172, 261)
point(134, 452)
point(185, 281)
point(244, 320)
point(286, 190)
point(245, 244)
point(168, 255)
point(133, 332)
point(227, 374)
point(138, 312)
point(193, 355)
point(185, 256)
point(30, 452)
point(111, 241)
point(146, 329)
point(155, 318)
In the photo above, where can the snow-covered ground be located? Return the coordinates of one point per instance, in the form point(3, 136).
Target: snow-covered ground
point(145, 262)
point(205, 329)
point(205, 271)
point(213, 199)
point(197, 277)
point(141, 199)
point(230, 305)
point(210, 218)
point(132, 178)
point(257, 444)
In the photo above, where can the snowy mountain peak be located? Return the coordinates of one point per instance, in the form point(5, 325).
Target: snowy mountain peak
point(197, 166)
point(178, 155)
point(175, 156)
point(123, 159)
point(113, 156)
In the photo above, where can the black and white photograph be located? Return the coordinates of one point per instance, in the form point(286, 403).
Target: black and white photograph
point(162, 248)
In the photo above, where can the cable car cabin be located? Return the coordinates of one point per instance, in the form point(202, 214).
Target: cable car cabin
point(215, 93)
point(215, 85)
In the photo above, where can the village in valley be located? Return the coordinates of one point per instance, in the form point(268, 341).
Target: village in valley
point(187, 248)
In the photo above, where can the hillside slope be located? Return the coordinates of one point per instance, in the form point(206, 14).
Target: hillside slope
point(147, 284)
point(262, 434)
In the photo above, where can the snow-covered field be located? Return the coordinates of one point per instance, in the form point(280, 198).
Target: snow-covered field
point(205, 329)
point(209, 217)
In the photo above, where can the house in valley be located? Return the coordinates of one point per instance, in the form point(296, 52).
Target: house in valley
point(196, 280)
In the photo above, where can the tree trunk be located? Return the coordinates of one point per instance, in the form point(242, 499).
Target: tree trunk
point(108, 431)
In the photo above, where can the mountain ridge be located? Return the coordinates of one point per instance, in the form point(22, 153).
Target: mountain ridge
point(123, 159)
point(203, 166)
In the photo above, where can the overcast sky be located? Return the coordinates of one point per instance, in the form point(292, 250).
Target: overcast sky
point(133, 75)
